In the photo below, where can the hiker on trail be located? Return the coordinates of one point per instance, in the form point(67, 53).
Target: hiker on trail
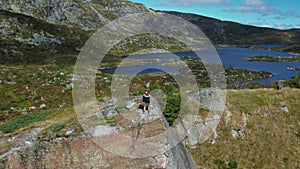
point(146, 100)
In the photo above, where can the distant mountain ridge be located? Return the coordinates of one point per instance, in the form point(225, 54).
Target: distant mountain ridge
point(38, 31)
point(227, 32)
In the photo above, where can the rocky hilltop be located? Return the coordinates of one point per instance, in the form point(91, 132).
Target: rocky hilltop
point(80, 150)
point(85, 14)
point(38, 31)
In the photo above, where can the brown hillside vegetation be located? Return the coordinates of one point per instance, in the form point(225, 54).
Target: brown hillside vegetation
point(271, 135)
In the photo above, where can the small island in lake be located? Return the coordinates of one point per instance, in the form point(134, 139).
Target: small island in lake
point(273, 59)
point(292, 68)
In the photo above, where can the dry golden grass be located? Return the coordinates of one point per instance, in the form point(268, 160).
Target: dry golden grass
point(271, 135)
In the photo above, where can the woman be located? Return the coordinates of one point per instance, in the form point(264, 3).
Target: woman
point(146, 100)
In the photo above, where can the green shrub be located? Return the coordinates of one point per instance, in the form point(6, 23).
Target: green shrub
point(220, 163)
point(172, 108)
point(224, 165)
point(255, 85)
point(57, 127)
point(233, 164)
point(22, 121)
point(2, 117)
point(294, 82)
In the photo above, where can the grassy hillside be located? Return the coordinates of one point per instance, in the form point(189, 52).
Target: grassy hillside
point(271, 135)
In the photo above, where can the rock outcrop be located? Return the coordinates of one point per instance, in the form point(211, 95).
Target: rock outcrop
point(88, 15)
point(36, 31)
point(84, 151)
point(68, 153)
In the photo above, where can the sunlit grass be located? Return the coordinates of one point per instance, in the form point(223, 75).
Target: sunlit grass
point(271, 135)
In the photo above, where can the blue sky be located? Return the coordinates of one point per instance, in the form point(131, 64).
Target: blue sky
point(281, 14)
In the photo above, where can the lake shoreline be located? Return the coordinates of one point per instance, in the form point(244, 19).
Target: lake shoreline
point(235, 57)
point(273, 59)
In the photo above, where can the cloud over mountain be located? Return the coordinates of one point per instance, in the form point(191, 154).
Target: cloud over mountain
point(263, 8)
point(254, 6)
point(194, 2)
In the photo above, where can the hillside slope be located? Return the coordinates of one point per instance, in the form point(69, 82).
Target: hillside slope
point(226, 32)
point(86, 14)
point(268, 138)
point(268, 132)
point(52, 31)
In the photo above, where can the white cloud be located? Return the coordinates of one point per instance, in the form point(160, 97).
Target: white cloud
point(265, 9)
point(254, 6)
point(283, 15)
point(261, 22)
point(195, 2)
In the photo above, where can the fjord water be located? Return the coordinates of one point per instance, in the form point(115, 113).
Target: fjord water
point(234, 57)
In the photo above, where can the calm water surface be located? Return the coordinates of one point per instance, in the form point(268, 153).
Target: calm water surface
point(230, 56)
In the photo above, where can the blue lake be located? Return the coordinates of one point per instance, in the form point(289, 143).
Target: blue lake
point(235, 57)
point(230, 57)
